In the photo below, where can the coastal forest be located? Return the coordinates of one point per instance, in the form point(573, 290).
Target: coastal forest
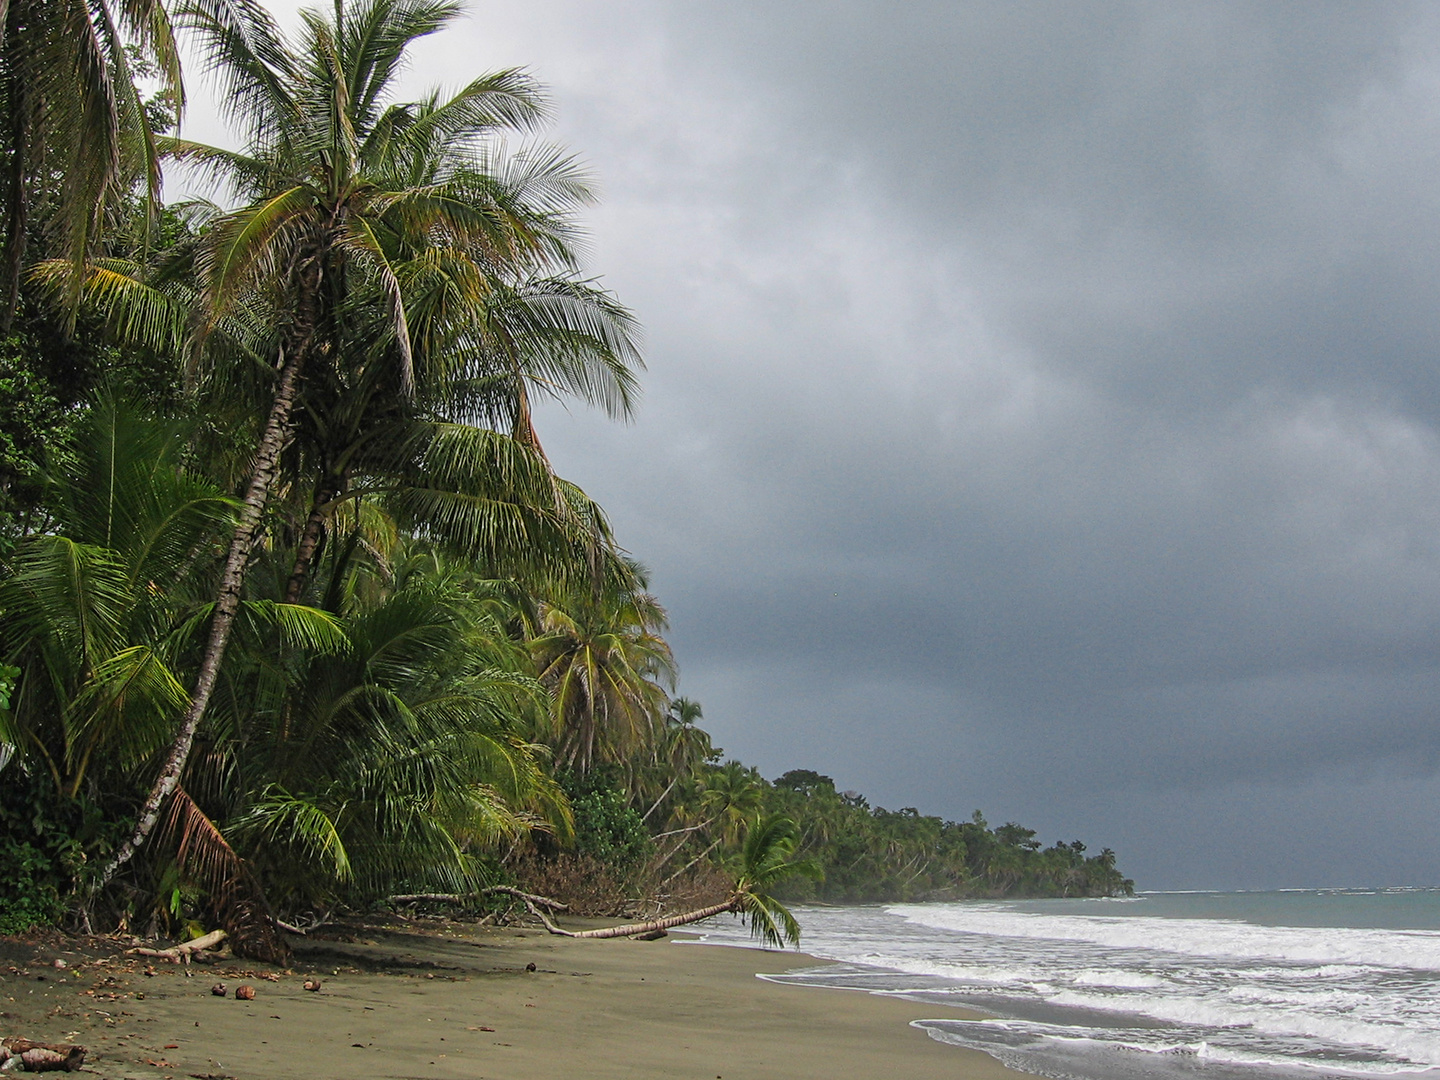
point(296, 617)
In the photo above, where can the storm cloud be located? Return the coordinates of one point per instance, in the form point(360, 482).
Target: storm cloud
point(1043, 411)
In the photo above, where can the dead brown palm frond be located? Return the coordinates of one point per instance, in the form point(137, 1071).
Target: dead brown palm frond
point(235, 897)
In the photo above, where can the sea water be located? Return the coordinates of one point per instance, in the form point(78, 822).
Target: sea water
point(1226, 986)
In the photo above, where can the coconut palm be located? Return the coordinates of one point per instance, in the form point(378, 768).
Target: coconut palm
point(767, 859)
point(682, 748)
point(359, 438)
point(76, 129)
point(396, 761)
point(727, 798)
point(599, 653)
point(331, 223)
point(485, 334)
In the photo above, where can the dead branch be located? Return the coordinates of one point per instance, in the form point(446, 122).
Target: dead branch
point(296, 928)
point(545, 919)
point(181, 953)
point(464, 898)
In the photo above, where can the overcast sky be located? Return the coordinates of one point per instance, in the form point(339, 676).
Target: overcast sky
point(1043, 411)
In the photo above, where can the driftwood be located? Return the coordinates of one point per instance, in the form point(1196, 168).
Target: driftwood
point(296, 928)
point(41, 1057)
point(181, 953)
point(463, 898)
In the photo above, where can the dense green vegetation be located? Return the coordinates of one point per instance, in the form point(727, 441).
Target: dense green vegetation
point(294, 613)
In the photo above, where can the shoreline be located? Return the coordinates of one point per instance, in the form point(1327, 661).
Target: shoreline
point(451, 1000)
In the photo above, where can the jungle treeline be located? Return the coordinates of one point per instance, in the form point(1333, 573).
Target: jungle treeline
point(295, 614)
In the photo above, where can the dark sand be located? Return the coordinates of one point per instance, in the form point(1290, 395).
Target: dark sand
point(418, 1004)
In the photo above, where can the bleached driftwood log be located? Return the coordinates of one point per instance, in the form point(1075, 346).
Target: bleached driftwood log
point(180, 954)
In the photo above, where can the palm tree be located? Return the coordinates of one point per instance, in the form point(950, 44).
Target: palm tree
point(682, 748)
point(359, 438)
point(767, 860)
point(329, 221)
point(600, 654)
point(99, 641)
point(76, 132)
point(730, 796)
point(395, 761)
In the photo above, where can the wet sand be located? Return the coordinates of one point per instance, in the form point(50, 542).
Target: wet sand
point(458, 1002)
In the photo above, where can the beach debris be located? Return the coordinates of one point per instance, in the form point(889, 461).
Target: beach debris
point(530, 966)
point(311, 984)
point(40, 1057)
point(59, 964)
point(652, 935)
point(218, 989)
point(270, 976)
point(181, 954)
point(245, 992)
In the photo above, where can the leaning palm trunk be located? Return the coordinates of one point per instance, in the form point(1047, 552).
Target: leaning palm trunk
point(736, 903)
point(227, 603)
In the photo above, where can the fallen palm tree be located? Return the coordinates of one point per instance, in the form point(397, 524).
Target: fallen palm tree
point(767, 859)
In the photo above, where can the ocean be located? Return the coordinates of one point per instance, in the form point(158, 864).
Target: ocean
point(1308, 983)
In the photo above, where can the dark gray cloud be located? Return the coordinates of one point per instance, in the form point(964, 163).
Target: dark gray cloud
point(1043, 412)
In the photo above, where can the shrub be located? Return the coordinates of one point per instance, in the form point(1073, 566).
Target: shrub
point(31, 896)
point(608, 829)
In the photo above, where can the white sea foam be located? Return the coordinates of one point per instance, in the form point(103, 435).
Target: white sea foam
point(1232, 998)
point(1125, 980)
point(1413, 949)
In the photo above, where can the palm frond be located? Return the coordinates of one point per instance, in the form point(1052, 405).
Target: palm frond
point(203, 853)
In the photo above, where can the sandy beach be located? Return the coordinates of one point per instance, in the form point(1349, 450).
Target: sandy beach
point(456, 1001)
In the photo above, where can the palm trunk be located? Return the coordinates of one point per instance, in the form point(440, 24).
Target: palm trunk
point(523, 431)
point(659, 864)
point(656, 805)
point(18, 209)
point(652, 927)
point(310, 539)
point(693, 861)
point(227, 603)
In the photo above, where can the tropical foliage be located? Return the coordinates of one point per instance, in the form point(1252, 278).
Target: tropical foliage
point(295, 614)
